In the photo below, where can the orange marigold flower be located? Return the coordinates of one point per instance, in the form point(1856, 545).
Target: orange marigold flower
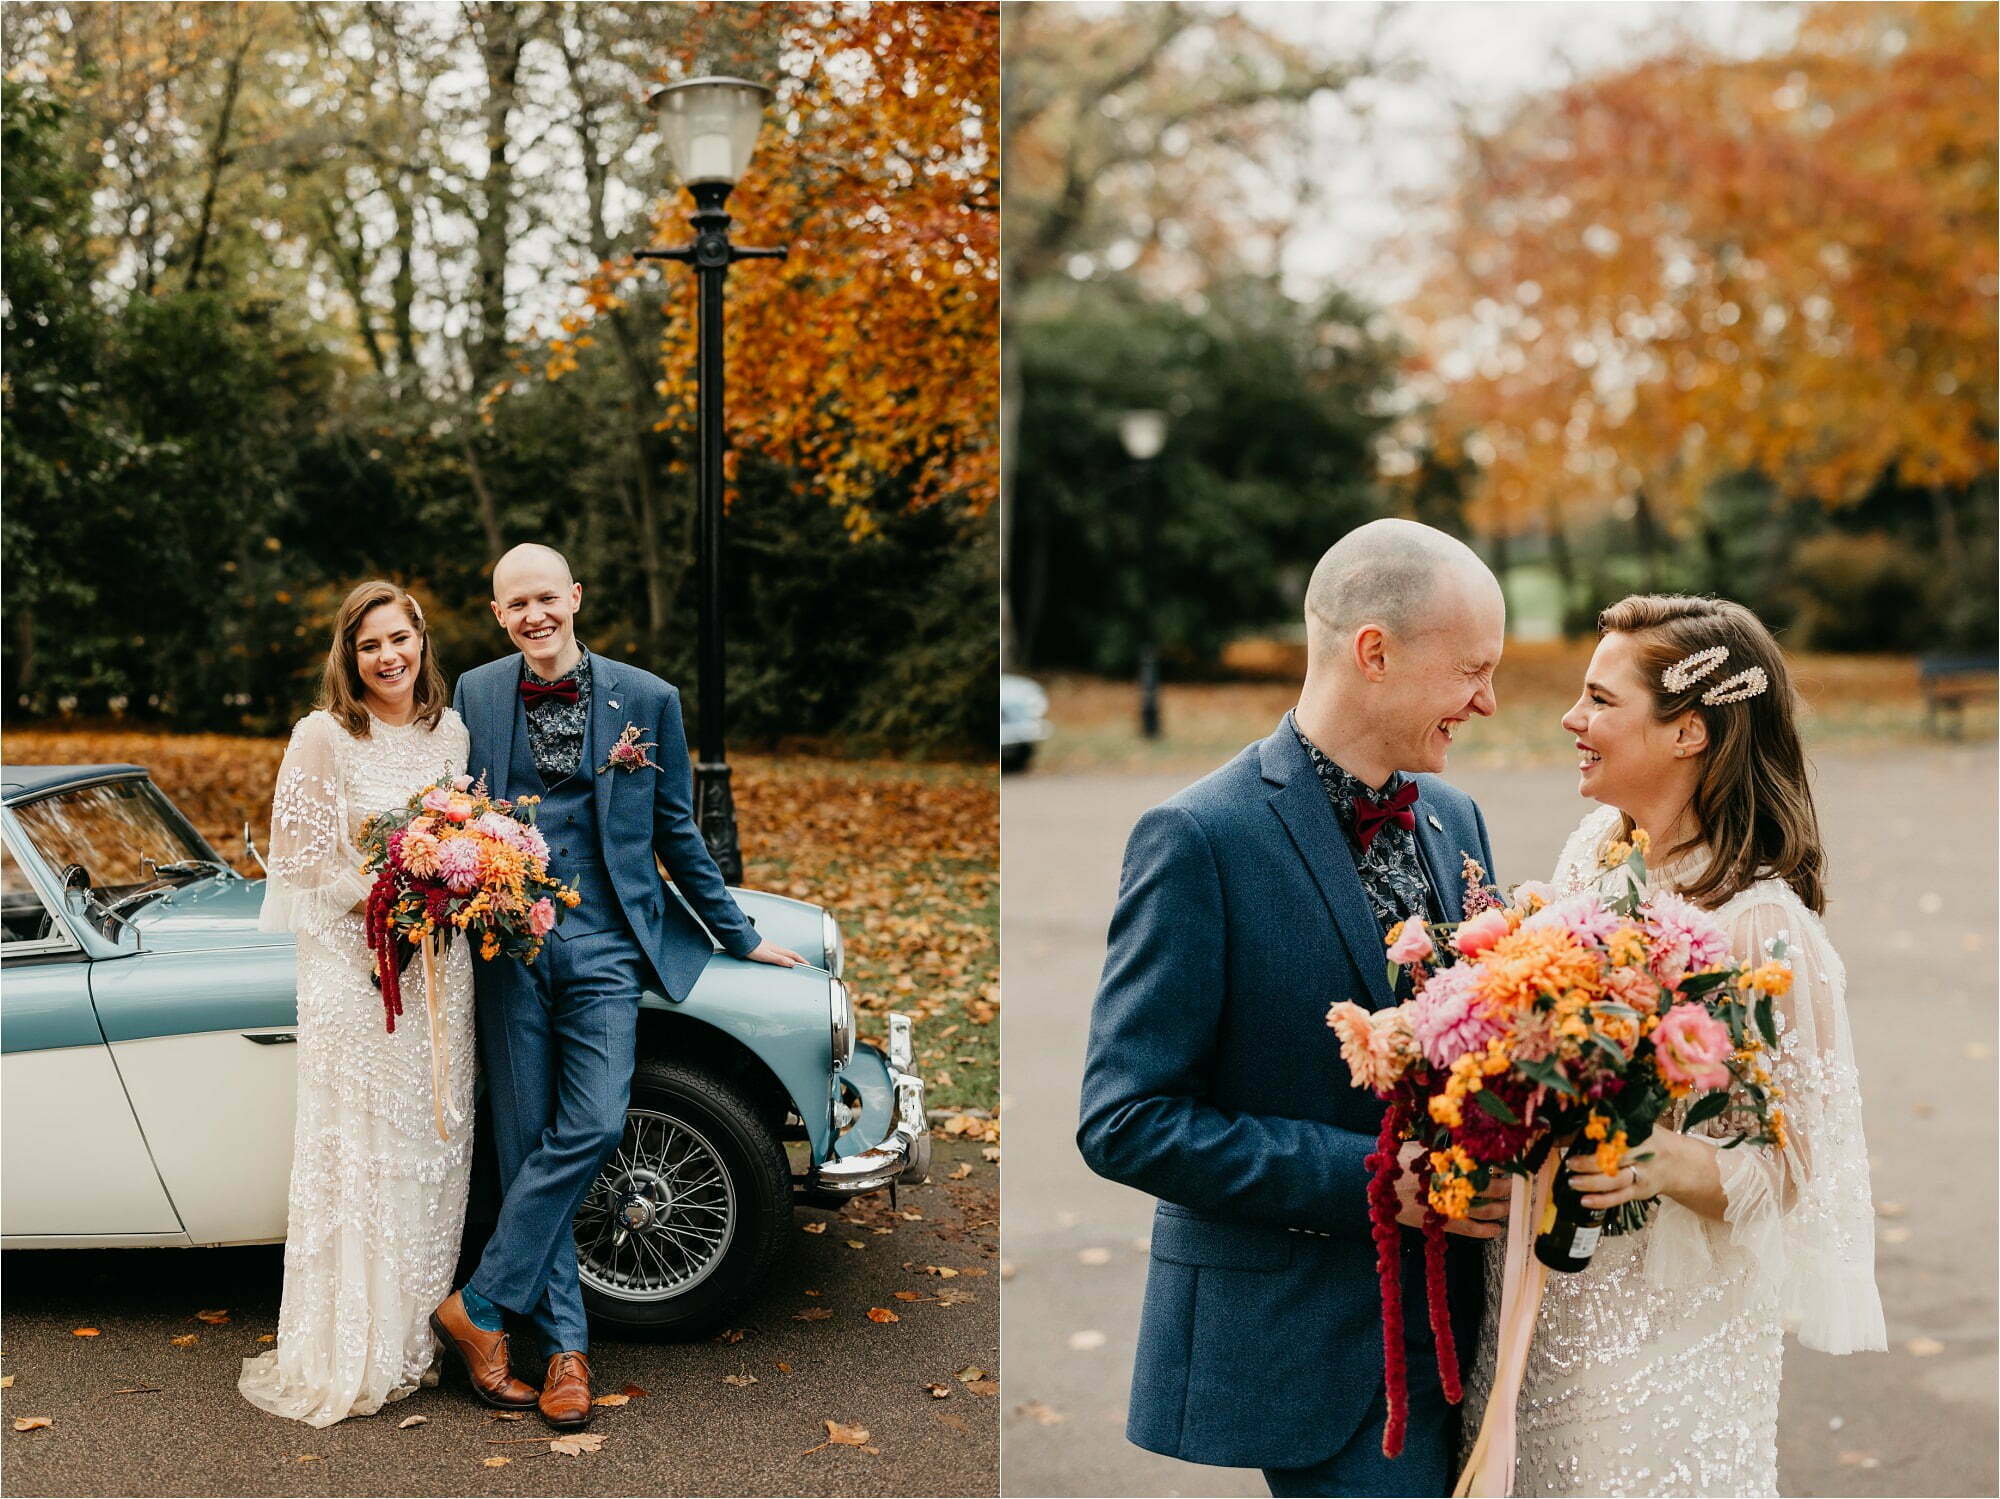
point(1627, 947)
point(1611, 1155)
point(1596, 1127)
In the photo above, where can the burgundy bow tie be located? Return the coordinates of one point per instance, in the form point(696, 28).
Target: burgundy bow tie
point(540, 692)
point(1371, 816)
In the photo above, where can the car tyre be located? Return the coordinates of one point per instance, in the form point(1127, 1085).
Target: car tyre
point(712, 1111)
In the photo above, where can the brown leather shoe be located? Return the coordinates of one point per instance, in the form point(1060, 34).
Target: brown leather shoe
point(565, 1398)
point(484, 1355)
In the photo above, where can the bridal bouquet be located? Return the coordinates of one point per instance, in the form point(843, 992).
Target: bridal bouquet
point(454, 860)
point(1536, 1024)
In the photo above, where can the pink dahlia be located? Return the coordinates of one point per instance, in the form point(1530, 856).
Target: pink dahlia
point(458, 863)
point(1447, 1018)
point(1684, 938)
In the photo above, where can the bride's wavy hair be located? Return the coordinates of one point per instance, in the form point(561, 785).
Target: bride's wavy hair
point(1753, 805)
point(340, 690)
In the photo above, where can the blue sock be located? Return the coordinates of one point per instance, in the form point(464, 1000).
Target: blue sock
point(484, 1314)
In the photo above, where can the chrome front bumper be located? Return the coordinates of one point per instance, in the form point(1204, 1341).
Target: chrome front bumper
point(904, 1154)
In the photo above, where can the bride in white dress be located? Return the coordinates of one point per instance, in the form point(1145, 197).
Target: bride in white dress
point(1654, 1370)
point(377, 1199)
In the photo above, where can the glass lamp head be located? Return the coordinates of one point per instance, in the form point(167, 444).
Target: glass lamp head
point(710, 126)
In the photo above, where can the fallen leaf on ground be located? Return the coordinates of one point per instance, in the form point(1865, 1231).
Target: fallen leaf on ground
point(1923, 1347)
point(309, 1457)
point(408, 1421)
point(269, 1337)
point(938, 1391)
point(33, 1423)
point(882, 1314)
point(6, 1381)
point(910, 1215)
point(942, 1272)
point(576, 1444)
point(1085, 1341)
point(910, 1296)
point(856, 1244)
point(86, 1332)
point(843, 1436)
point(1035, 1411)
point(972, 1270)
point(740, 1381)
point(990, 1153)
point(611, 1400)
point(186, 1340)
point(812, 1293)
point(1860, 1460)
point(730, 1335)
point(946, 1418)
point(783, 1367)
point(215, 1318)
point(1890, 1210)
point(814, 1228)
point(633, 1392)
point(812, 1314)
point(959, 1172)
point(1093, 1256)
point(969, 1373)
point(495, 1462)
point(984, 1386)
point(954, 1298)
point(504, 1415)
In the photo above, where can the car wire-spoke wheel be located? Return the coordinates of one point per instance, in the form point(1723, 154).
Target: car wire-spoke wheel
point(660, 1216)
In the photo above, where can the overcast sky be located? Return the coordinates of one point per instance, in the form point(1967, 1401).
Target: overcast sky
point(1481, 57)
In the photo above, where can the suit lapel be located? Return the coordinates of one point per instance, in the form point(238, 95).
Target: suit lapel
point(522, 777)
point(1442, 863)
point(599, 734)
point(1300, 802)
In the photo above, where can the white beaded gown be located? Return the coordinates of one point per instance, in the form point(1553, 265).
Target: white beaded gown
point(1655, 1369)
point(377, 1199)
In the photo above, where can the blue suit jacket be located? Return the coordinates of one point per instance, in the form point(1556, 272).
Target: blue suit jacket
point(640, 814)
point(1214, 1083)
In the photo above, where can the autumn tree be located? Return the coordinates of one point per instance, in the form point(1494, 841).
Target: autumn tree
point(1700, 266)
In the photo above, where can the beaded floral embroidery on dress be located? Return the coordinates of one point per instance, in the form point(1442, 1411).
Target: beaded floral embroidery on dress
point(1655, 1370)
point(377, 1200)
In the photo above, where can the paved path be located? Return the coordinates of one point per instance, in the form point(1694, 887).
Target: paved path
point(690, 1434)
point(1911, 851)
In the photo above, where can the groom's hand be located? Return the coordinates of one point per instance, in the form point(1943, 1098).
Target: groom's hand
point(1488, 1212)
point(768, 951)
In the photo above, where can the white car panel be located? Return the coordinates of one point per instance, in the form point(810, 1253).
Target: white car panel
point(73, 1160)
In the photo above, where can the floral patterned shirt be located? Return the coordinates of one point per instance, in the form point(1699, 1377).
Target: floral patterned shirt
point(555, 728)
point(1392, 873)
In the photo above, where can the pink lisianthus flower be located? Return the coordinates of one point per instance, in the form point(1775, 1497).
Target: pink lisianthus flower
point(1477, 933)
point(458, 863)
point(1582, 916)
point(437, 800)
point(457, 806)
point(1377, 1046)
point(1691, 1047)
point(1532, 895)
point(542, 917)
point(1683, 937)
point(1447, 1019)
point(1412, 943)
point(1634, 987)
point(461, 783)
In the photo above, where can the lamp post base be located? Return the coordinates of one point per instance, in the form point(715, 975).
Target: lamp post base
point(715, 815)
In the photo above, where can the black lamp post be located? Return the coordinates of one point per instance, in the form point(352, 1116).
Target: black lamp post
point(1143, 434)
point(710, 126)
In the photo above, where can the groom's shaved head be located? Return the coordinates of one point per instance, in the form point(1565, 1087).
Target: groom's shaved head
point(1388, 573)
point(528, 555)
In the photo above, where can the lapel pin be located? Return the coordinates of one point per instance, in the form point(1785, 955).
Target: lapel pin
point(1431, 818)
point(614, 702)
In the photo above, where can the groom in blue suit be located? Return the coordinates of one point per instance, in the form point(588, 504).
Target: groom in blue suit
point(558, 1037)
point(1249, 903)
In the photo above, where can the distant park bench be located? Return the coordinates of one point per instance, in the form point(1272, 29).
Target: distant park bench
point(1949, 682)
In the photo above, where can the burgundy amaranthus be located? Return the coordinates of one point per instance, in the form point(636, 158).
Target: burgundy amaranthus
point(1440, 1307)
point(384, 942)
point(1389, 1267)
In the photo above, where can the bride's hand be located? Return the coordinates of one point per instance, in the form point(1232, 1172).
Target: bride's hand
point(1646, 1173)
point(1484, 1221)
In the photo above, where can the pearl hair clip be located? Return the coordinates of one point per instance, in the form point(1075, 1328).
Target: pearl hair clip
point(1689, 670)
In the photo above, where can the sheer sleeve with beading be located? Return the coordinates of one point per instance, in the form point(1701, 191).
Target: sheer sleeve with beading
point(314, 876)
point(1802, 1212)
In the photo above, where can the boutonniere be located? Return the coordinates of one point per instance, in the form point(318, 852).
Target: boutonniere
point(628, 753)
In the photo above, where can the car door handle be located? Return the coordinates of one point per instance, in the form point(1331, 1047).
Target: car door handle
point(271, 1038)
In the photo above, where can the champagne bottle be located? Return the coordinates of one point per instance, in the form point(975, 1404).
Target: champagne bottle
point(1569, 1230)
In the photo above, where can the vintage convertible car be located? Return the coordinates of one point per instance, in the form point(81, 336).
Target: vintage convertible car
point(146, 1087)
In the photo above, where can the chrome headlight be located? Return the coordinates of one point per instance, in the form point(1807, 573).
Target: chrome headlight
point(840, 1012)
point(836, 950)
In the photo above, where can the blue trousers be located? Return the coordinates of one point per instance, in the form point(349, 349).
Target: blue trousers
point(557, 1038)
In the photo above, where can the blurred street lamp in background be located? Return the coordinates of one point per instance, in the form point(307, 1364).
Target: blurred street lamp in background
point(1143, 434)
point(710, 128)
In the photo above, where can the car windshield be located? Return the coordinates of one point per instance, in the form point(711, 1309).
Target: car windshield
point(125, 836)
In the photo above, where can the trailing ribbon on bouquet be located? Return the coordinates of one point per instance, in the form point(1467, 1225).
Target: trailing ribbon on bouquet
point(1489, 1467)
point(440, 1062)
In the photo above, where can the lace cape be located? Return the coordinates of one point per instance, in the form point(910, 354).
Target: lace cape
point(1803, 1215)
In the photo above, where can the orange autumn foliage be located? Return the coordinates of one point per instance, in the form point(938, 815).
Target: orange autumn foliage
point(1701, 265)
